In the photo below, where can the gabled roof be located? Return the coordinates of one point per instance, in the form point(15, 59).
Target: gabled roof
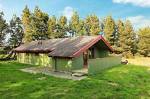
point(62, 47)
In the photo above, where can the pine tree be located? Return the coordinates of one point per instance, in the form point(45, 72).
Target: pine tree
point(26, 20)
point(3, 28)
point(82, 30)
point(61, 27)
point(57, 28)
point(119, 36)
point(144, 41)
point(120, 30)
point(127, 38)
point(74, 25)
point(109, 29)
point(16, 31)
point(92, 25)
point(39, 25)
point(134, 47)
point(52, 22)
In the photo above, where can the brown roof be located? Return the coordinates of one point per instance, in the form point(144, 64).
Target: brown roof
point(62, 47)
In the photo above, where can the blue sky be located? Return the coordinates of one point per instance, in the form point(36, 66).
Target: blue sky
point(137, 11)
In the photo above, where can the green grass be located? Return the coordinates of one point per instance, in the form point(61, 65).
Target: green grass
point(120, 82)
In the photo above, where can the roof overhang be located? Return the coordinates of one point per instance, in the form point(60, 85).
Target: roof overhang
point(76, 53)
point(91, 44)
point(32, 51)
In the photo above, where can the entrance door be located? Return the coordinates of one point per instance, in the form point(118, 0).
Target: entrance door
point(85, 59)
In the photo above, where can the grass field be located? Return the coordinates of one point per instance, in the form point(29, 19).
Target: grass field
point(145, 61)
point(120, 82)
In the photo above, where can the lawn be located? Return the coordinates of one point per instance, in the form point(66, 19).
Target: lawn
point(120, 82)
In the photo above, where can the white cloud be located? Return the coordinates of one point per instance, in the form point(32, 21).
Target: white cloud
point(142, 3)
point(68, 12)
point(139, 21)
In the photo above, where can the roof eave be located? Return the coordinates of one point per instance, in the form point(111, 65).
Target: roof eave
point(108, 45)
point(61, 56)
point(32, 51)
point(76, 54)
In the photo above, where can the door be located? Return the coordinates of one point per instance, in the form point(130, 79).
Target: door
point(85, 59)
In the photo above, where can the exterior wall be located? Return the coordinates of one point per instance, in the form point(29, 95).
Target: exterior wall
point(99, 64)
point(99, 53)
point(77, 63)
point(100, 50)
point(35, 59)
point(62, 64)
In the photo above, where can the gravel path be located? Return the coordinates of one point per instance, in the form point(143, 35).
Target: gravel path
point(49, 71)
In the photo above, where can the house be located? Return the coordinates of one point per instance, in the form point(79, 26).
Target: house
point(67, 54)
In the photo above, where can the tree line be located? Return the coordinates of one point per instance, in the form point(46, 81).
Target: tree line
point(38, 25)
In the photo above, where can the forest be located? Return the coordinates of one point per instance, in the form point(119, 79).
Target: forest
point(38, 25)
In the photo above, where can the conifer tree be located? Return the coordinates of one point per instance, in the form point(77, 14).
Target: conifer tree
point(74, 24)
point(16, 31)
point(119, 36)
point(127, 37)
point(134, 47)
point(120, 30)
point(26, 20)
point(144, 41)
point(109, 29)
point(39, 25)
point(51, 27)
point(82, 30)
point(61, 28)
point(3, 28)
point(92, 25)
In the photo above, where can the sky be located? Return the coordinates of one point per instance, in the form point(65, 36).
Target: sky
point(137, 11)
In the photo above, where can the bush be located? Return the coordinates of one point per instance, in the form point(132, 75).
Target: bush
point(117, 50)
